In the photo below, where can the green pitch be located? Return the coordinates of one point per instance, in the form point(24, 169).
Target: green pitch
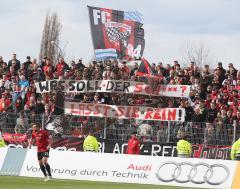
point(9, 182)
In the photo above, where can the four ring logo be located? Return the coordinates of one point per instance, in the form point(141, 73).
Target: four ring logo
point(177, 173)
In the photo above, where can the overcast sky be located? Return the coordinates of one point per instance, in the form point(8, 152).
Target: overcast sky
point(169, 26)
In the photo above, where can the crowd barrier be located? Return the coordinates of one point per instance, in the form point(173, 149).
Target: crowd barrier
point(119, 147)
point(195, 173)
point(198, 133)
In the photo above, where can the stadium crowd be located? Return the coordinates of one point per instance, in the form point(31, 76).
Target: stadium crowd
point(214, 96)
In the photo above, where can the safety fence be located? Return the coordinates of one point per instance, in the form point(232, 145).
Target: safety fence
point(121, 129)
point(197, 133)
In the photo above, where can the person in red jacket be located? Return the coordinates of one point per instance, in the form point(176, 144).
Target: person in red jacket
point(61, 67)
point(43, 142)
point(133, 144)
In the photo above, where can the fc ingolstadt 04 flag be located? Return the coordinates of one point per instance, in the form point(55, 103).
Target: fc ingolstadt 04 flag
point(116, 34)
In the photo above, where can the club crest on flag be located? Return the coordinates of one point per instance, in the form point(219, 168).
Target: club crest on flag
point(117, 31)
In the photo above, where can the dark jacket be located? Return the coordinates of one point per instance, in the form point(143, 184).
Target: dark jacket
point(18, 64)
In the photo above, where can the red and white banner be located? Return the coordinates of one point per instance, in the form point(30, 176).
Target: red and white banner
point(125, 112)
point(113, 86)
point(13, 137)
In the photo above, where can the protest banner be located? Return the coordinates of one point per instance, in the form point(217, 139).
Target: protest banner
point(112, 86)
point(125, 112)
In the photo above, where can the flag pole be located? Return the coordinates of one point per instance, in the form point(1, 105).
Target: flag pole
point(94, 54)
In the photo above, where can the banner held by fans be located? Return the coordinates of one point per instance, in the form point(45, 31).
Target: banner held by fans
point(125, 112)
point(112, 86)
point(116, 34)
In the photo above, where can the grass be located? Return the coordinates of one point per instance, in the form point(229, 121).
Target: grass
point(10, 182)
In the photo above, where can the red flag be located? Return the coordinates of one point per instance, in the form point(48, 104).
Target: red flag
point(145, 70)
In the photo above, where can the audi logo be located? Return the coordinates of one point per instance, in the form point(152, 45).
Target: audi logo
point(177, 172)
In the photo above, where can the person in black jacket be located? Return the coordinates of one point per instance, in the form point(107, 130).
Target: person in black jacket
point(38, 75)
point(2, 62)
point(198, 125)
point(39, 109)
point(28, 62)
point(80, 64)
point(189, 112)
point(222, 72)
point(14, 59)
point(212, 113)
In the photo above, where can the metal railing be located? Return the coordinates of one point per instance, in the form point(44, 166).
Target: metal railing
point(11, 122)
point(119, 129)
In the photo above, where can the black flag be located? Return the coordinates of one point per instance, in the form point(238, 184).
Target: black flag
point(146, 70)
point(116, 34)
point(148, 74)
point(55, 121)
